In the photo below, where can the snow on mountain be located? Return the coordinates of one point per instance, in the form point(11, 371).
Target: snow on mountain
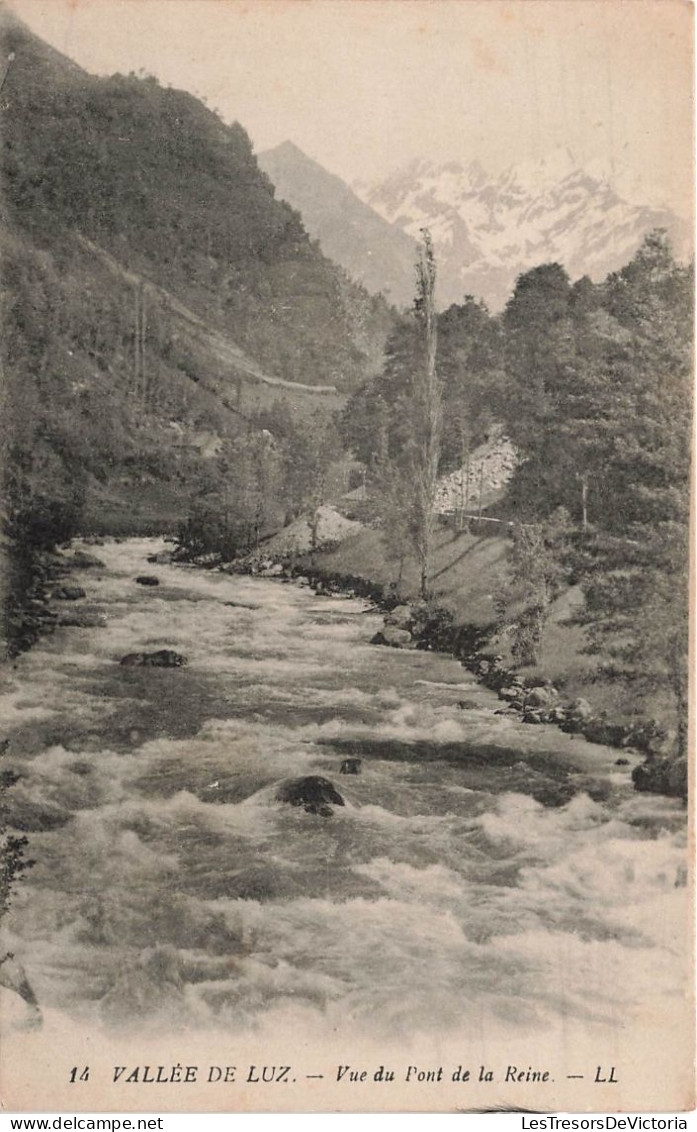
point(487, 230)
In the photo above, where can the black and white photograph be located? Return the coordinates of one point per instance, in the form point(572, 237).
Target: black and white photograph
point(347, 412)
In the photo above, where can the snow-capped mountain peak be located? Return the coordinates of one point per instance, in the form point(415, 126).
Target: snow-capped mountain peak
point(488, 229)
point(536, 175)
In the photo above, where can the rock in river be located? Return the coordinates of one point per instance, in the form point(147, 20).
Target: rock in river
point(163, 658)
point(351, 766)
point(83, 561)
point(68, 593)
point(147, 580)
point(315, 794)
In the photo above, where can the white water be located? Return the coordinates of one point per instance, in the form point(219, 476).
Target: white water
point(171, 888)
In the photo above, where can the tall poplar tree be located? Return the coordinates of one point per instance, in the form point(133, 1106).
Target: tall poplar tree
point(428, 418)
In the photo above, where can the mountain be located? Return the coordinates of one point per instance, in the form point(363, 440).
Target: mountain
point(159, 180)
point(487, 230)
point(155, 291)
point(375, 253)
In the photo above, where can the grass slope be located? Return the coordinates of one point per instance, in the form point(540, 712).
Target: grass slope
point(467, 571)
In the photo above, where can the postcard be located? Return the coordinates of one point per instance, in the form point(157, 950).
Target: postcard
point(346, 455)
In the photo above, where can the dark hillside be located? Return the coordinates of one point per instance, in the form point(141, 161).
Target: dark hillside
point(156, 299)
point(158, 180)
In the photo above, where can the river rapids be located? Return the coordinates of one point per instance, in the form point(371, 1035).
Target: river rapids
point(479, 869)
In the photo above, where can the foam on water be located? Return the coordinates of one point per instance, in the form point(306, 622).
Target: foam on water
point(171, 887)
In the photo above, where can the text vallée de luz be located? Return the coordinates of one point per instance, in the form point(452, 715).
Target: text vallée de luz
point(180, 1074)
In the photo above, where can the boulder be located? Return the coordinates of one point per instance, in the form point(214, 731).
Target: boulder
point(316, 795)
point(162, 558)
point(650, 777)
point(163, 658)
point(533, 717)
point(147, 580)
point(395, 638)
point(662, 775)
point(351, 766)
point(553, 793)
point(401, 616)
point(598, 730)
point(68, 593)
point(572, 725)
point(82, 561)
point(580, 709)
point(541, 696)
point(510, 691)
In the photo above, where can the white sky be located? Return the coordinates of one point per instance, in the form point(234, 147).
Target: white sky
point(365, 85)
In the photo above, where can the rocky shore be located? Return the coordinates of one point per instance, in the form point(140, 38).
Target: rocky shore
point(431, 627)
point(40, 597)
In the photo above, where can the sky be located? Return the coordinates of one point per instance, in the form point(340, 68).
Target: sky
point(363, 86)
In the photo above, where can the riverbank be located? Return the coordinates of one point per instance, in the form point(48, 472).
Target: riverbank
point(564, 690)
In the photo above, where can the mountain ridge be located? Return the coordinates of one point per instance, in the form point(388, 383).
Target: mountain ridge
point(376, 253)
point(488, 230)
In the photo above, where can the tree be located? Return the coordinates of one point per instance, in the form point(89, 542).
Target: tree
point(393, 506)
point(470, 366)
point(427, 396)
point(469, 363)
point(536, 571)
point(396, 426)
point(600, 408)
point(634, 567)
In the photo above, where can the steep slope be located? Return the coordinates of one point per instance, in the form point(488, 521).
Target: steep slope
point(160, 182)
point(487, 230)
point(377, 254)
point(156, 297)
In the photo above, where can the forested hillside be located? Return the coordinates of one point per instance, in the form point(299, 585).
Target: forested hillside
point(592, 384)
point(157, 179)
point(156, 296)
point(156, 299)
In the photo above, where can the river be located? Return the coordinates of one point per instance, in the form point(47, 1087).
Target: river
point(479, 867)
